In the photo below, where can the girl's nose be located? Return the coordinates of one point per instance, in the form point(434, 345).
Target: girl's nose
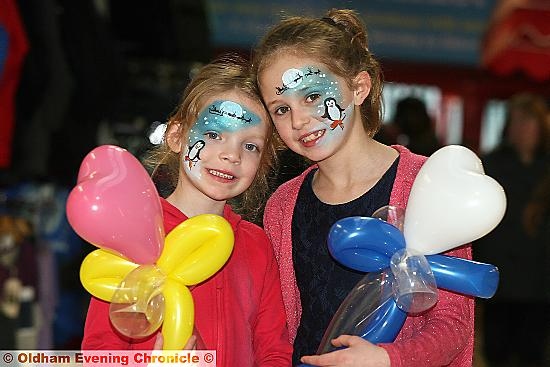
point(300, 118)
point(231, 154)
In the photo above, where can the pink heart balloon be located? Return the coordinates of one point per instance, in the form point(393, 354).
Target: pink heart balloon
point(115, 205)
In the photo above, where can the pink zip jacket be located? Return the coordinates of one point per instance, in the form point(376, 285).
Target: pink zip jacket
point(238, 312)
point(443, 336)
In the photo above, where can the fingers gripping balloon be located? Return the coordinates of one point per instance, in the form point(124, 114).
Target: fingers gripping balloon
point(452, 202)
point(144, 274)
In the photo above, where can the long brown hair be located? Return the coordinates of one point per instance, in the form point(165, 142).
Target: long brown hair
point(339, 41)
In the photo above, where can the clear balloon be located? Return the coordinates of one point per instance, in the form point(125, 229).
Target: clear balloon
point(414, 288)
point(137, 306)
point(393, 215)
point(369, 311)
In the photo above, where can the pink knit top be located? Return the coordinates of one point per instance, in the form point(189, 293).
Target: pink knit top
point(443, 336)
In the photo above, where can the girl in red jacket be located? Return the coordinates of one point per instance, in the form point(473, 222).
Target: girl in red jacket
point(218, 146)
point(322, 88)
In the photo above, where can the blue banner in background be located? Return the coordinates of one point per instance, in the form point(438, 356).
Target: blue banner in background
point(4, 40)
point(439, 31)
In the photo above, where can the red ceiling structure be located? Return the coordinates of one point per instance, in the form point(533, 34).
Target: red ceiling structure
point(518, 39)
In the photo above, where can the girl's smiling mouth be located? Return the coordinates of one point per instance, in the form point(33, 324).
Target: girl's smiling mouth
point(225, 176)
point(310, 139)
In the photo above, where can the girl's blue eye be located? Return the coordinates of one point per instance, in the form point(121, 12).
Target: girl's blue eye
point(282, 110)
point(251, 147)
point(212, 135)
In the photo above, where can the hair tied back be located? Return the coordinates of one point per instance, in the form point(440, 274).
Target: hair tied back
point(332, 23)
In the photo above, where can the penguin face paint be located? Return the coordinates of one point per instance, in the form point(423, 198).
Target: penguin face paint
point(215, 120)
point(311, 108)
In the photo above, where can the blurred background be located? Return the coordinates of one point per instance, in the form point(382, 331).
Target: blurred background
point(78, 74)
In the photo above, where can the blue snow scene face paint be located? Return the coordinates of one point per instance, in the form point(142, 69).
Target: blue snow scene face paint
point(312, 108)
point(320, 89)
point(217, 118)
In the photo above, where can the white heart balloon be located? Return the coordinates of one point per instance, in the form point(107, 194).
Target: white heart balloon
point(452, 202)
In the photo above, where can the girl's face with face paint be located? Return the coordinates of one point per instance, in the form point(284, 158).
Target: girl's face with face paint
point(222, 151)
point(311, 108)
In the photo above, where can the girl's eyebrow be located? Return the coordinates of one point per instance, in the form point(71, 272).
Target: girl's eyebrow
point(275, 101)
point(302, 88)
point(306, 88)
point(257, 136)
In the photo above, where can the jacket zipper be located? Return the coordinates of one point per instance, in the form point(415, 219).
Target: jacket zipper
point(220, 322)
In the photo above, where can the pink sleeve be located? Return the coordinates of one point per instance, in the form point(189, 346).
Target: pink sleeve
point(272, 224)
point(440, 337)
point(277, 225)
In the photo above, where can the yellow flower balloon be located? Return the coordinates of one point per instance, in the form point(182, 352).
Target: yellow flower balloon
point(145, 296)
point(101, 273)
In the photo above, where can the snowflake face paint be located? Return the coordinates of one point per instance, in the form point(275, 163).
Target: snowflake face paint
point(311, 108)
point(215, 120)
point(311, 81)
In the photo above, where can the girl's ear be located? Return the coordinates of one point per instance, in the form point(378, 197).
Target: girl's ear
point(362, 83)
point(173, 137)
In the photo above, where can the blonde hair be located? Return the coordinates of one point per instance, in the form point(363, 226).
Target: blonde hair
point(227, 73)
point(339, 41)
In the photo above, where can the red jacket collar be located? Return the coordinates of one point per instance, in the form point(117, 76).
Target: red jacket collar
point(173, 216)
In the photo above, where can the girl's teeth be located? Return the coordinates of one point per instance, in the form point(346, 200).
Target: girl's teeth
point(219, 174)
point(312, 136)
